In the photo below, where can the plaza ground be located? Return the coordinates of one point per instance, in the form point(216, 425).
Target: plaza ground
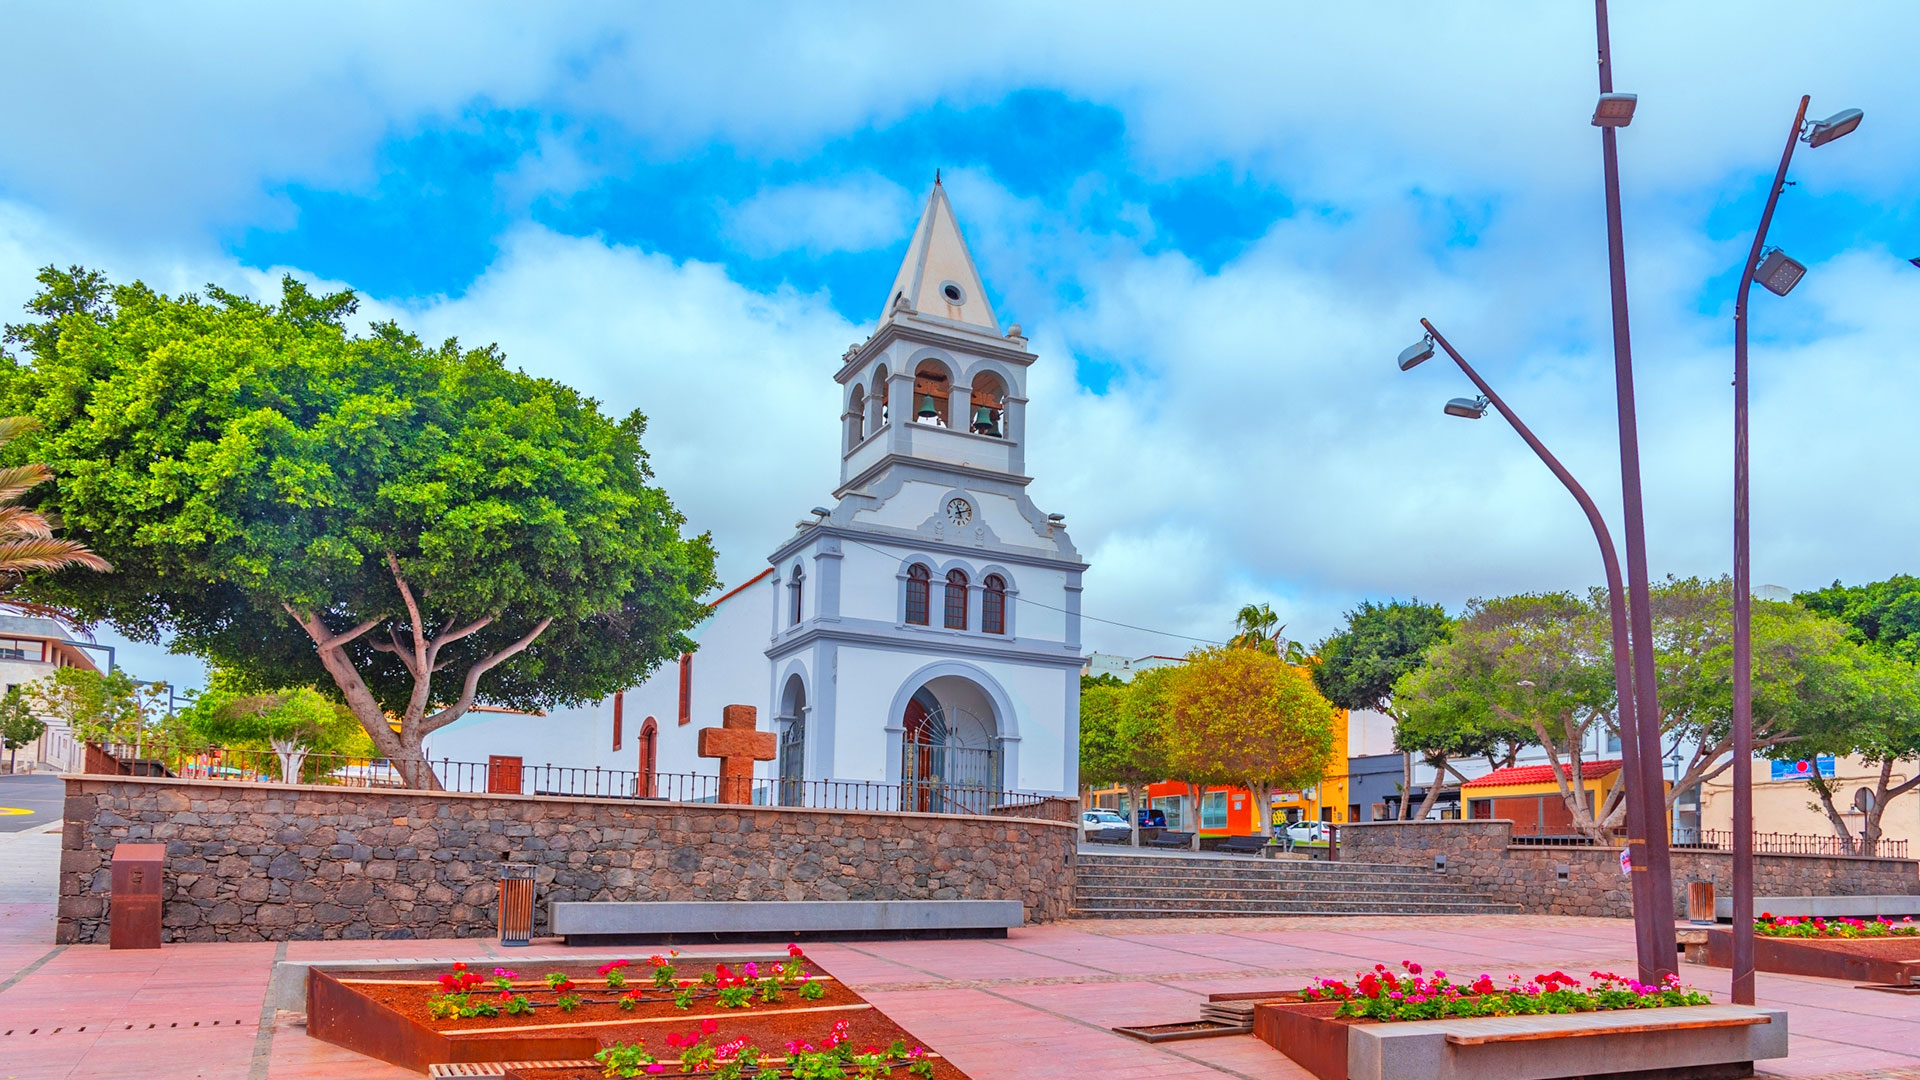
point(1036, 1006)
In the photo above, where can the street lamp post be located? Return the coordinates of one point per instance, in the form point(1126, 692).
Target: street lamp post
point(1647, 936)
point(1778, 274)
point(1615, 111)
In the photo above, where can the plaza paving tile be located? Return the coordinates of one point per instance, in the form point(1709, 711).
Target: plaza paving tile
point(1033, 1007)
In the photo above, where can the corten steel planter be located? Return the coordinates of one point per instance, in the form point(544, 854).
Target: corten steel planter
point(1699, 1042)
point(1873, 960)
point(379, 1012)
point(1307, 1032)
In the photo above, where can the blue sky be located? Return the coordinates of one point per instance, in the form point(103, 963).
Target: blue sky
point(1217, 229)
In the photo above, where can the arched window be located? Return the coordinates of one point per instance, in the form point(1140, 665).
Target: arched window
point(795, 587)
point(989, 406)
point(649, 757)
point(993, 604)
point(879, 397)
point(918, 581)
point(932, 386)
point(956, 599)
point(856, 417)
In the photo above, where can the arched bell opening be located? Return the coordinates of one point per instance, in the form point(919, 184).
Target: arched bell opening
point(989, 404)
point(932, 394)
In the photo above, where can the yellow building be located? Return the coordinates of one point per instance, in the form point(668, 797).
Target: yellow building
point(1327, 800)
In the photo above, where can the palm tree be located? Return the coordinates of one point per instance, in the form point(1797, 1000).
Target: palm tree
point(27, 543)
point(1257, 626)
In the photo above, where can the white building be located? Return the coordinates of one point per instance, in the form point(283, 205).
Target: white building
point(924, 630)
point(31, 648)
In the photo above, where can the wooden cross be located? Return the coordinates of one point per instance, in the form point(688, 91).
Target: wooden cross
point(738, 744)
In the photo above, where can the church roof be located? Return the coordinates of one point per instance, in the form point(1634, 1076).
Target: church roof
point(937, 277)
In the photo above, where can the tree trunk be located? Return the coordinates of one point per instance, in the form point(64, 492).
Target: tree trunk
point(1825, 791)
point(1884, 792)
point(1135, 792)
point(293, 757)
point(1193, 791)
point(1406, 787)
point(1433, 790)
point(1262, 795)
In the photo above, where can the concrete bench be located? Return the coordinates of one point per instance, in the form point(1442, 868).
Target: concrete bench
point(1826, 907)
point(671, 921)
point(1534, 1047)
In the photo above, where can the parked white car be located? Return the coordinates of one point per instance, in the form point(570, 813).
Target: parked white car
point(1306, 832)
point(1103, 825)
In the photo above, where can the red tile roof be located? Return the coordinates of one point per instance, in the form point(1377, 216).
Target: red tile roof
point(1541, 774)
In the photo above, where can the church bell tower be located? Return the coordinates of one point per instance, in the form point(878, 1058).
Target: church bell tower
point(930, 623)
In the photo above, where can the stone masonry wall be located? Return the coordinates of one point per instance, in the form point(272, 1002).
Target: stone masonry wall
point(253, 862)
point(1479, 852)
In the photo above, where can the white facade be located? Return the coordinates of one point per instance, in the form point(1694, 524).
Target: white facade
point(925, 628)
point(31, 648)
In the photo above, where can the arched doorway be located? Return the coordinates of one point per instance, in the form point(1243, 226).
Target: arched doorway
point(793, 743)
point(950, 757)
point(649, 759)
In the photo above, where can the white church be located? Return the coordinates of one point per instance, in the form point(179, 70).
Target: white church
point(922, 633)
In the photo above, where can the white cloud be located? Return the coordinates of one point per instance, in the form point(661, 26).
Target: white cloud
point(1257, 443)
point(859, 212)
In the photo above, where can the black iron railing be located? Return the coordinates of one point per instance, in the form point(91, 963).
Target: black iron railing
point(267, 766)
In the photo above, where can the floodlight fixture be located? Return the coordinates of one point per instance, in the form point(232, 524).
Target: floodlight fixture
point(1416, 354)
point(1778, 274)
point(1468, 408)
point(1822, 132)
point(821, 511)
point(1615, 110)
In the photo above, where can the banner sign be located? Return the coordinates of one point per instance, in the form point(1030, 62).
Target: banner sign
point(1803, 769)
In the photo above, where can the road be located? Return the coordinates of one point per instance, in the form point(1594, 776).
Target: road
point(40, 795)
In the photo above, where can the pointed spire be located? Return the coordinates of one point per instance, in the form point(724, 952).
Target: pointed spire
point(938, 277)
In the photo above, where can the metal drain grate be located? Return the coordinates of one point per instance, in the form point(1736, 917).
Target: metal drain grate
point(108, 1026)
point(499, 1068)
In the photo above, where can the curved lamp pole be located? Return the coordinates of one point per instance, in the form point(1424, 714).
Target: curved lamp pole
point(1643, 806)
point(1778, 274)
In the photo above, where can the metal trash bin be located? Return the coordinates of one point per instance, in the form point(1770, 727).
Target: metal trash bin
point(134, 905)
point(1700, 910)
point(516, 904)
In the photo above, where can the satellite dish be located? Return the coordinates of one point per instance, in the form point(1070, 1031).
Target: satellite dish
point(1863, 800)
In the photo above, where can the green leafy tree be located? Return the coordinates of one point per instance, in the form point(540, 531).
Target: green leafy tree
point(418, 527)
point(1808, 678)
point(1883, 613)
point(18, 725)
point(1123, 736)
point(1248, 718)
point(294, 723)
point(1884, 617)
point(1356, 667)
point(98, 707)
point(1534, 663)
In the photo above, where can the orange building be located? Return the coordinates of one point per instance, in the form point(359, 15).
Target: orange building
point(1228, 811)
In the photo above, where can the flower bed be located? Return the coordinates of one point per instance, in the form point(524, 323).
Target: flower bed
point(1836, 949)
point(1839, 927)
point(728, 1017)
point(1339, 1028)
point(1383, 995)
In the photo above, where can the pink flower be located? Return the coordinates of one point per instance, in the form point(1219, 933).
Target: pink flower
point(504, 973)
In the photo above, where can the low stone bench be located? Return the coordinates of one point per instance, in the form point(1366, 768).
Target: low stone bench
point(1826, 907)
point(674, 921)
point(1705, 1040)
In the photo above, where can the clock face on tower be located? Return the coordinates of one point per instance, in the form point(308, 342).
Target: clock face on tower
point(959, 511)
